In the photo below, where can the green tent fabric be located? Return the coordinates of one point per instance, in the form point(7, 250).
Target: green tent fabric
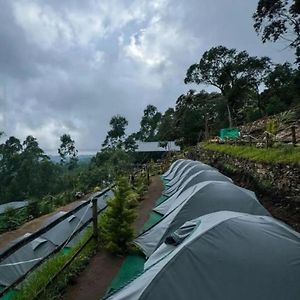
point(153, 219)
point(161, 199)
point(8, 295)
point(131, 267)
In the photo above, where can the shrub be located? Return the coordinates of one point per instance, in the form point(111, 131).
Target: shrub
point(33, 208)
point(10, 219)
point(116, 223)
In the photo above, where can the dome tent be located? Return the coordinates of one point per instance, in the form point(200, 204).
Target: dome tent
point(186, 170)
point(11, 269)
point(171, 168)
point(204, 198)
point(178, 169)
point(205, 175)
point(223, 255)
point(189, 179)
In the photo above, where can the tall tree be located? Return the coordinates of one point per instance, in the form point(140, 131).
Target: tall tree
point(281, 89)
point(67, 151)
point(116, 135)
point(234, 73)
point(279, 19)
point(195, 116)
point(166, 128)
point(149, 124)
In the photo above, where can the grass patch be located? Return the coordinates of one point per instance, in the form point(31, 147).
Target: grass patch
point(284, 154)
point(31, 287)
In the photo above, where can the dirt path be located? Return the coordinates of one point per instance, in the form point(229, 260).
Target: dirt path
point(103, 267)
point(34, 224)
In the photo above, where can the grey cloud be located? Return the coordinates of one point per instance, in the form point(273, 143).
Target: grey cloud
point(76, 86)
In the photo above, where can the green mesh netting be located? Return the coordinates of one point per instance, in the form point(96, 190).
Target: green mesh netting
point(154, 217)
point(8, 295)
point(131, 267)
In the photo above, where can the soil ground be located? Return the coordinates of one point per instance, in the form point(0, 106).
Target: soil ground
point(94, 281)
point(33, 225)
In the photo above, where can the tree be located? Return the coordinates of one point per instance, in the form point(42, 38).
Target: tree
point(281, 89)
point(67, 151)
point(149, 124)
point(166, 129)
point(116, 224)
point(130, 143)
point(196, 115)
point(279, 19)
point(234, 73)
point(116, 135)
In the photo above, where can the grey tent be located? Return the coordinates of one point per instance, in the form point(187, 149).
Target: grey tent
point(13, 205)
point(63, 230)
point(187, 170)
point(202, 174)
point(173, 165)
point(177, 169)
point(205, 175)
point(224, 255)
point(204, 198)
point(13, 267)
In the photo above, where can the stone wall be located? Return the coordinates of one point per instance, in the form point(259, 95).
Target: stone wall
point(277, 185)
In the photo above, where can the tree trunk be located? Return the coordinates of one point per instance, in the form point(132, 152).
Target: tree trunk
point(229, 116)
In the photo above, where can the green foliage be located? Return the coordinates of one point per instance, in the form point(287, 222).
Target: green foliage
point(12, 219)
point(272, 126)
point(287, 154)
point(68, 152)
point(116, 223)
point(116, 135)
point(111, 163)
point(40, 278)
point(149, 124)
point(279, 20)
point(197, 115)
point(33, 208)
point(166, 128)
point(235, 74)
point(140, 182)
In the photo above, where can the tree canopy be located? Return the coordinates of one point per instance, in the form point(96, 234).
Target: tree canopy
point(279, 19)
point(149, 124)
point(116, 135)
point(68, 151)
point(234, 73)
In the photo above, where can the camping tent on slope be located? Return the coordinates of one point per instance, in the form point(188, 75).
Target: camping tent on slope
point(187, 171)
point(171, 168)
point(205, 198)
point(190, 179)
point(199, 177)
point(224, 255)
point(11, 269)
point(178, 169)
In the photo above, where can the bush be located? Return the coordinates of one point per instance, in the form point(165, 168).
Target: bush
point(10, 219)
point(116, 223)
point(33, 208)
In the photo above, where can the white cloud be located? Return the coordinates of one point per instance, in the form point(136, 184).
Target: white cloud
point(42, 24)
point(47, 133)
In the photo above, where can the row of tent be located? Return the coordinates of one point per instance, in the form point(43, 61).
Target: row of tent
point(215, 241)
point(25, 258)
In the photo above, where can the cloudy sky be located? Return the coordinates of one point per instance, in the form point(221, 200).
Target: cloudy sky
point(68, 66)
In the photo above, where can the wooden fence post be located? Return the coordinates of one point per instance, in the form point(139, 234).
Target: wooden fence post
point(294, 141)
point(95, 219)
